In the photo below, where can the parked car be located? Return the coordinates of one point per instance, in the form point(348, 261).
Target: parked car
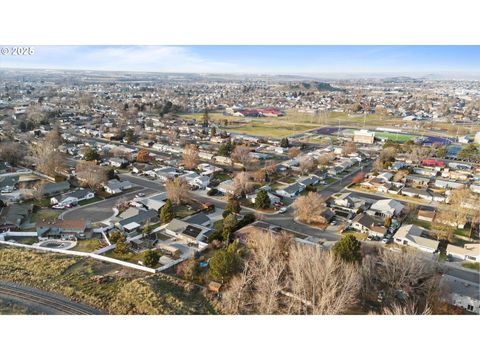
point(139, 195)
point(58, 207)
point(386, 240)
point(282, 210)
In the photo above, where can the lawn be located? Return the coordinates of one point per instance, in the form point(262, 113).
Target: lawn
point(182, 211)
point(130, 256)
point(277, 128)
point(360, 236)
point(89, 201)
point(473, 266)
point(88, 245)
point(47, 214)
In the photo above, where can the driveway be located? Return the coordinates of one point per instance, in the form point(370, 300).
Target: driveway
point(100, 210)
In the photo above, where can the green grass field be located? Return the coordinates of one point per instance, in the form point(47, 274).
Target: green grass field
point(88, 245)
point(294, 122)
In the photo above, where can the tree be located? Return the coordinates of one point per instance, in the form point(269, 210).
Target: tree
point(226, 148)
point(129, 136)
point(233, 206)
point(262, 200)
point(91, 154)
point(224, 264)
point(91, 174)
point(166, 212)
point(11, 153)
point(306, 163)
point(310, 208)
point(48, 159)
point(349, 148)
point(115, 236)
point(121, 246)
point(388, 222)
point(358, 178)
point(284, 143)
point(205, 118)
point(348, 249)
point(143, 156)
point(213, 131)
point(177, 190)
point(241, 154)
point(190, 156)
point(293, 152)
point(242, 183)
point(151, 258)
point(188, 269)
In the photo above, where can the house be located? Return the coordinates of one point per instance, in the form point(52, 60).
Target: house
point(349, 204)
point(166, 173)
point(201, 181)
point(291, 191)
point(8, 183)
point(469, 252)
point(154, 202)
point(420, 193)
point(367, 224)
point(447, 184)
point(61, 229)
point(115, 186)
point(199, 219)
point(51, 189)
point(462, 293)
point(387, 208)
point(134, 222)
point(13, 216)
point(426, 215)
point(273, 198)
point(139, 168)
point(73, 197)
point(418, 180)
point(176, 227)
point(413, 235)
point(227, 187)
point(385, 176)
point(118, 162)
point(310, 180)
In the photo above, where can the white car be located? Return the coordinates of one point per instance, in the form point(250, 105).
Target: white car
point(282, 210)
point(58, 207)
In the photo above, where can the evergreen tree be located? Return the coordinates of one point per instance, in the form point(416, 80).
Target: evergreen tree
point(205, 118)
point(151, 258)
point(213, 132)
point(166, 212)
point(91, 154)
point(233, 206)
point(348, 249)
point(121, 246)
point(224, 264)
point(284, 143)
point(262, 201)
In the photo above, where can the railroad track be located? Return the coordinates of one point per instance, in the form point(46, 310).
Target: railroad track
point(44, 299)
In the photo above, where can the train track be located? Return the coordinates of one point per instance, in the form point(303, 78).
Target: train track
point(62, 306)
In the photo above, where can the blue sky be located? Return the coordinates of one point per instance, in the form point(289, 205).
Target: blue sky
point(255, 59)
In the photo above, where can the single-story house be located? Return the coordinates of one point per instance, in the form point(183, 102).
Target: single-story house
point(413, 235)
point(462, 293)
point(448, 184)
point(60, 229)
point(140, 219)
point(226, 187)
point(115, 186)
point(273, 198)
point(469, 252)
point(291, 190)
point(426, 215)
point(118, 162)
point(13, 216)
point(51, 189)
point(387, 207)
point(367, 224)
point(154, 202)
point(199, 219)
point(420, 193)
point(72, 197)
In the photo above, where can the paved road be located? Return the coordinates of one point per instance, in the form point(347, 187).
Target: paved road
point(44, 302)
point(100, 210)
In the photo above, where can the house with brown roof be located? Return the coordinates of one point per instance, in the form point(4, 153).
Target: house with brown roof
point(61, 229)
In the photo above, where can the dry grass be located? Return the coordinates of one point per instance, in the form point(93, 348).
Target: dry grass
point(124, 291)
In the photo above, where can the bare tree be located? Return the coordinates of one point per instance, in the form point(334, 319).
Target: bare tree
point(11, 152)
point(309, 208)
point(91, 175)
point(177, 190)
point(349, 148)
point(293, 152)
point(306, 163)
point(190, 156)
point(49, 160)
point(242, 183)
point(241, 154)
point(321, 284)
point(325, 159)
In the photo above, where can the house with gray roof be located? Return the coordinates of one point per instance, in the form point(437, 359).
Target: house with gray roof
point(51, 189)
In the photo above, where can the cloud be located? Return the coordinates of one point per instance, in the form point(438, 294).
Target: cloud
point(120, 58)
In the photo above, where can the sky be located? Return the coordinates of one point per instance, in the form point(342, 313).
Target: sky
point(254, 59)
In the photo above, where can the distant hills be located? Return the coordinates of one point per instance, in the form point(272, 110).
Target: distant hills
point(306, 86)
